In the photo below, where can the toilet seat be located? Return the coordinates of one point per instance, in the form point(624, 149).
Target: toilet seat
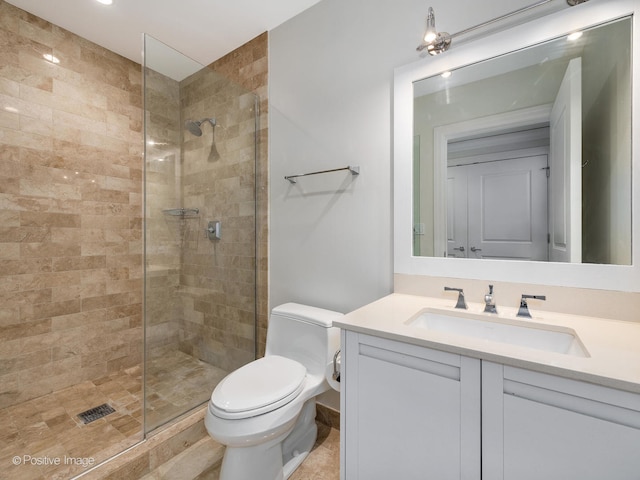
point(258, 387)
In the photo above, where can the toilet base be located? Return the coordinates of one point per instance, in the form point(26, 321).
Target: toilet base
point(301, 440)
point(275, 460)
point(252, 463)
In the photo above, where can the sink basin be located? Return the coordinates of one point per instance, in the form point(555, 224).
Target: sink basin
point(498, 329)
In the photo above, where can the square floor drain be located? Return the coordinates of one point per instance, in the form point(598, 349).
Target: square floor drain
point(96, 413)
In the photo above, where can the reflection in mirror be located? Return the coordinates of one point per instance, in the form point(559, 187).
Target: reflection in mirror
point(527, 156)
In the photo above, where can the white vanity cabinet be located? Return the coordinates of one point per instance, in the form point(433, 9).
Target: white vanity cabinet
point(411, 412)
point(408, 412)
point(538, 426)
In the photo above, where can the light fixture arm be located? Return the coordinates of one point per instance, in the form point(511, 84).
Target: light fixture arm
point(499, 19)
point(442, 41)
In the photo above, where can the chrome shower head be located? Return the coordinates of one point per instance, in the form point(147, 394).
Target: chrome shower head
point(195, 126)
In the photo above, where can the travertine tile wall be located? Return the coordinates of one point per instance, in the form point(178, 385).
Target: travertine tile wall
point(217, 277)
point(248, 66)
point(70, 209)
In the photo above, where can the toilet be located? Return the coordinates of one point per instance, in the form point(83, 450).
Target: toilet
point(264, 412)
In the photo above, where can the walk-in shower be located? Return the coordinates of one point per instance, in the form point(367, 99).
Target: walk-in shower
point(118, 311)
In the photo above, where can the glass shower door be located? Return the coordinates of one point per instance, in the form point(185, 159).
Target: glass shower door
point(200, 231)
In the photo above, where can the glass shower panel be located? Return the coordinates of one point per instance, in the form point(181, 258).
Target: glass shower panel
point(200, 231)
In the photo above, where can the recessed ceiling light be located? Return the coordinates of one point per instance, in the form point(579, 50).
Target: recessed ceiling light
point(50, 58)
point(105, 2)
point(445, 74)
point(574, 36)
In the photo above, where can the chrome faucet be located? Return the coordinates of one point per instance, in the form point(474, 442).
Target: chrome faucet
point(489, 303)
point(523, 311)
point(461, 303)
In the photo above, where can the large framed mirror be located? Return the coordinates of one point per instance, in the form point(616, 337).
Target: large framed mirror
point(514, 154)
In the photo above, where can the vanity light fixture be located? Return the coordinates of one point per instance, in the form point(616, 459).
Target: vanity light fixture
point(438, 42)
point(435, 42)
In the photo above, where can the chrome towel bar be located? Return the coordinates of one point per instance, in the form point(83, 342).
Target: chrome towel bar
point(353, 170)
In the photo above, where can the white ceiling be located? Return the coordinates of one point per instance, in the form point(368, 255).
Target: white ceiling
point(204, 30)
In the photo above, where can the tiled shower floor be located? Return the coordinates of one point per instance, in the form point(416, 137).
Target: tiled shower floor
point(47, 429)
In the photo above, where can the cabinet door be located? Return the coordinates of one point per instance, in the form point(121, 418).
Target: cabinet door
point(537, 426)
point(409, 412)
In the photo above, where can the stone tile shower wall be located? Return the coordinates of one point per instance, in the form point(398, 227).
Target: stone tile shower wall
point(70, 209)
point(217, 277)
point(248, 66)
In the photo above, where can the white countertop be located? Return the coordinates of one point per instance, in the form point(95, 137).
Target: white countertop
point(613, 345)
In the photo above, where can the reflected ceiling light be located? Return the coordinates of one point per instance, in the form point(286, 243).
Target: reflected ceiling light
point(50, 58)
point(445, 74)
point(435, 43)
point(574, 36)
point(12, 109)
point(105, 2)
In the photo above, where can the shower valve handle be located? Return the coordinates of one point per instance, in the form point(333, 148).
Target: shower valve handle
point(214, 230)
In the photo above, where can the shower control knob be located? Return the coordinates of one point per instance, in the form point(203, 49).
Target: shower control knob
point(214, 230)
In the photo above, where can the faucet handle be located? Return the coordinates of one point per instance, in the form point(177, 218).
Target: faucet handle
point(523, 311)
point(460, 303)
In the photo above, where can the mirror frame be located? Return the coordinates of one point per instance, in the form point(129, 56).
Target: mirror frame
point(583, 275)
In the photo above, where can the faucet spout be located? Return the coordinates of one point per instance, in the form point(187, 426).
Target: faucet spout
point(489, 303)
point(460, 303)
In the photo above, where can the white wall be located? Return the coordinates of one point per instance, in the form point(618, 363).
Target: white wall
point(330, 105)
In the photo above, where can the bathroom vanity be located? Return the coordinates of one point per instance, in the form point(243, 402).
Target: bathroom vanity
point(434, 392)
point(420, 401)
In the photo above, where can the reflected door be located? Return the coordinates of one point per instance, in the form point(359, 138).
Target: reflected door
point(499, 209)
point(566, 169)
point(457, 211)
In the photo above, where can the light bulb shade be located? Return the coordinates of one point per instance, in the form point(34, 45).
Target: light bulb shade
point(430, 32)
point(429, 37)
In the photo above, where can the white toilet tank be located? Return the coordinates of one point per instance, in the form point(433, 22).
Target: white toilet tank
point(304, 334)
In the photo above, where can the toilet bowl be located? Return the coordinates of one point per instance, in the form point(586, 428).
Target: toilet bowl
point(264, 412)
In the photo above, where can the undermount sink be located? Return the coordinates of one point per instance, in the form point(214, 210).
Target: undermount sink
point(499, 329)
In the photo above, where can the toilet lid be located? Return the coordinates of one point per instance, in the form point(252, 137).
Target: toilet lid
point(259, 387)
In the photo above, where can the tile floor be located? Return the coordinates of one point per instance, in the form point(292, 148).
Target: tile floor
point(168, 398)
point(47, 429)
point(323, 462)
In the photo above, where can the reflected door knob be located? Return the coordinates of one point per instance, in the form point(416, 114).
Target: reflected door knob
point(459, 248)
point(474, 249)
